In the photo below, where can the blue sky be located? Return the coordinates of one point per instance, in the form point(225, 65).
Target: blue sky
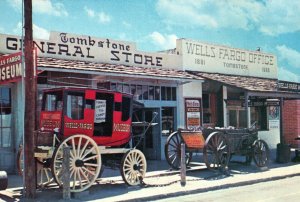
point(272, 25)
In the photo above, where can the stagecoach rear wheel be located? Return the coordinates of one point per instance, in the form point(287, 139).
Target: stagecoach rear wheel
point(133, 167)
point(43, 170)
point(216, 151)
point(260, 153)
point(85, 162)
point(173, 151)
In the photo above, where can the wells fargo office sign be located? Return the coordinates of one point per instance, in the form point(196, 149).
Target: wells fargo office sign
point(205, 57)
point(10, 68)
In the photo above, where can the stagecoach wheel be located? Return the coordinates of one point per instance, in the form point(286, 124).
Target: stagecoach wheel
point(260, 153)
point(85, 162)
point(173, 151)
point(44, 174)
point(43, 170)
point(133, 167)
point(216, 151)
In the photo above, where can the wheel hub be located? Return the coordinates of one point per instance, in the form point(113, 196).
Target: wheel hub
point(79, 163)
point(136, 167)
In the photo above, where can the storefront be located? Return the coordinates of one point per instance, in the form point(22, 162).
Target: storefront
point(241, 88)
point(72, 60)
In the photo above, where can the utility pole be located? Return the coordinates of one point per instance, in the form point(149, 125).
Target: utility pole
point(30, 100)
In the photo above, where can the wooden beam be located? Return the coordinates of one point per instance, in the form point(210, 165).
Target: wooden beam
point(30, 100)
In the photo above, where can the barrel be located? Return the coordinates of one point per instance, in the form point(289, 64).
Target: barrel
point(3, 180)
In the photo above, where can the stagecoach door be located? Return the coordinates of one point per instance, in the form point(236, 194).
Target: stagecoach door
point(150, 145)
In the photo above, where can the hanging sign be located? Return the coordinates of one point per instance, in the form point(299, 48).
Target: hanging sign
point(193, 113)
point(10, 68)
point(100, 111)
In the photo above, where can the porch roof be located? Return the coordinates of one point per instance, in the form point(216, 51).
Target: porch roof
point(254, 86)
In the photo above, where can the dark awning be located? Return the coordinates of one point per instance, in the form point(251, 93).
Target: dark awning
point(254, 86)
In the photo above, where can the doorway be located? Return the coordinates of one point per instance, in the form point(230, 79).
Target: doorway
point(150, 143)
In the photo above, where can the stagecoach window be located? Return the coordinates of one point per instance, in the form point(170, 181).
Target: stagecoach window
point(104, 108)
point(75, 106)
point(53, 102)
point(126, 103)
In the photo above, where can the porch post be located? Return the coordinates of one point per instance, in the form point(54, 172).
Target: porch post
point(247, 109)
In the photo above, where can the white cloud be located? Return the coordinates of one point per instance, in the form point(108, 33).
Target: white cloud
point(42, 7)
point(209, 14)
point(291, 56)
point(280, 17)
point(126, 24)
point(90, 12)
point(163, 41)
point(286, 75)
point(48, 7)
point(38, 32)
point(269, 16)
point(101, 17)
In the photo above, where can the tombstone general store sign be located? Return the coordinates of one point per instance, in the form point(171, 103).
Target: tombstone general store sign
point(87, 48)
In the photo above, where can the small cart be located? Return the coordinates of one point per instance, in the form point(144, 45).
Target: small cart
point(217, 145)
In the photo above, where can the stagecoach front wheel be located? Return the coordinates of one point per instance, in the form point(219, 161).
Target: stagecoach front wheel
point(173, 151)
point(85, 162)
point(133, 167)
point(260, 153)
point(216, 151)
point(43, 171)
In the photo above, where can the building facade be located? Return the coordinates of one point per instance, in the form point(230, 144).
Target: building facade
point(194, 85)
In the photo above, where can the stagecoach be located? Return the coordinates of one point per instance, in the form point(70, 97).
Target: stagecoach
point(96, 125)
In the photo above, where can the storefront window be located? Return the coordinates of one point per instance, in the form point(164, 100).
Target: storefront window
point(5, 117)
point(237, 118)
point(145, 92)
point(157, 93)
point(259, 115)
point(168, 120)
point(151, 92)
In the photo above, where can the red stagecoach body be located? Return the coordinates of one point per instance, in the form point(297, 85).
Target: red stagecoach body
point(103, 115)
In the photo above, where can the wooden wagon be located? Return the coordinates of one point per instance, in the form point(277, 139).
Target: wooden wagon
point(217, 146)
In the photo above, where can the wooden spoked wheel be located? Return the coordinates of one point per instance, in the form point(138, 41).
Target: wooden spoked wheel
point(133, 167)
point(260, 153)
point(173, 151)
point(85, 162)
point(216, 151)
point(43, 169)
